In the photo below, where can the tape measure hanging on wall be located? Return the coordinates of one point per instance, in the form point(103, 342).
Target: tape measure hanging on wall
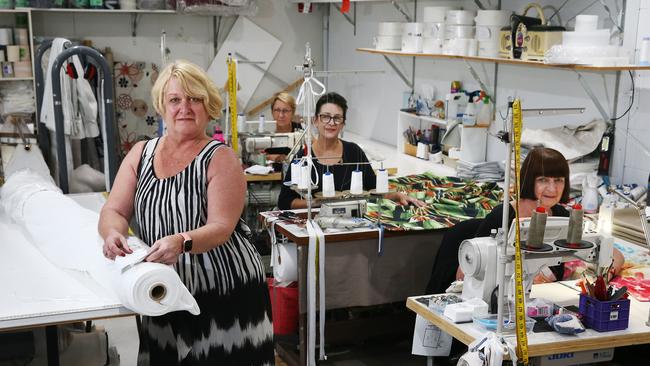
point(232, 102)
point(522, 338)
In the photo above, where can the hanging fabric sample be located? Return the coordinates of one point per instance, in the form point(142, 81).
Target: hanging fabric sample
point(136, 118)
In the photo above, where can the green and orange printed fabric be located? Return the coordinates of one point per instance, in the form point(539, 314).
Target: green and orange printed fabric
point(449, 201)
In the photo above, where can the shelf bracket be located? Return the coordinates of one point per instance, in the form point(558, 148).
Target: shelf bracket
point(594, 99)
point(477, 78)
point(353, 22)
point(134, 24)
point(404, 13)
point(256, 64)
point(399, 72)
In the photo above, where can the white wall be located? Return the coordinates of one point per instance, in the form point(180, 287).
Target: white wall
point(191, 37)
point(375, 99)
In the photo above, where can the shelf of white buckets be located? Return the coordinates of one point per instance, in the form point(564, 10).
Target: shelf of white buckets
point(446, 30)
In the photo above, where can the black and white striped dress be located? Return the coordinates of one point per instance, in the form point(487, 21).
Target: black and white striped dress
point(234, 327)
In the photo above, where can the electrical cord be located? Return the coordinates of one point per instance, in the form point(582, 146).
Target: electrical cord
point(631, 102)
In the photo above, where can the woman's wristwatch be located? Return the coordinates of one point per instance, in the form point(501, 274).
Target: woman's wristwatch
point(187, 242)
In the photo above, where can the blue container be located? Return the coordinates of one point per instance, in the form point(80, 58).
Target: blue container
point(604, 316)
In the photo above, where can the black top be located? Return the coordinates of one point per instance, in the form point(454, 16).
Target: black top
point(295, 126)
point(494, 220)
point(352, 153)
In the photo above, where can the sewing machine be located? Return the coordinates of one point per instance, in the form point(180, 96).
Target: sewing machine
point(255, 144)
point(478, 257)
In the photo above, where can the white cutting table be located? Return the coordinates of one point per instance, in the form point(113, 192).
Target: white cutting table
point(35, 292)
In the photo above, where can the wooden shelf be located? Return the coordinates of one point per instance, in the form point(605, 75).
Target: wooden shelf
point(506, 61)
point(436, 121)
point(102, 11)
point(15, 79)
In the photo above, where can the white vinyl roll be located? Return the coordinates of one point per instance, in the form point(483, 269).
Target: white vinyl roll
point(413, 29)
point(66, 234)
point(432, 45)
point(434, 30)
point(493, 17)
point(388, 42)
point(412, 44)
point(436, 14)
point(460, 17)
point(459, 31)
point(390, 29)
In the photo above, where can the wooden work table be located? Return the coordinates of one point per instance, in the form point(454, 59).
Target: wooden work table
point(547, 343)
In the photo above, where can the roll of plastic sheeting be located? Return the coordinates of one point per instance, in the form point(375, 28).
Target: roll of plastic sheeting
point(493, 17)
point(412, 44)
point(388, 42)
point(66, 234)
point(436, 14)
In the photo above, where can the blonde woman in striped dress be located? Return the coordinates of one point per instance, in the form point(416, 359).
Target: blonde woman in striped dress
point(187, 194)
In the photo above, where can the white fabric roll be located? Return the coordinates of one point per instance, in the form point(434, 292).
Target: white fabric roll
point(413, 29)
point(356, 186)
point(285, 262)
point(390, 29)
point(66, 234)
point(328, 185)
point(382, 181)
point(436, 13)
point(434, 30)
point(460, 17)
point(493, 17)
point(412, 44)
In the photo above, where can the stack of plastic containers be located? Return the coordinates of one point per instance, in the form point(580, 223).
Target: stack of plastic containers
point(460, 32)
point(488, 28)
point(434, 28)
point(389, 36)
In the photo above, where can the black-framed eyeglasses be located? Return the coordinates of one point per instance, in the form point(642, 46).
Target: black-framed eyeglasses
point(326, 118)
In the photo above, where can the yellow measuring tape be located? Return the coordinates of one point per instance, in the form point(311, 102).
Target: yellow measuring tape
point(232, 102)
point(522, 338)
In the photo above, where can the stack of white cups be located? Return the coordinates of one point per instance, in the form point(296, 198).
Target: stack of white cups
point(434, 28)
point(389, 36)
point(488, 29)
point(412, 37)
point(459, 33)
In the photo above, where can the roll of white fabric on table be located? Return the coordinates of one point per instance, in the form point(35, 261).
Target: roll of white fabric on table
point(66, 234)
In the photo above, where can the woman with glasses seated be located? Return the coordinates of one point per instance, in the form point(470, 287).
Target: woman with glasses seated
point(544, 182)
point(284, 110)
point(329, 151)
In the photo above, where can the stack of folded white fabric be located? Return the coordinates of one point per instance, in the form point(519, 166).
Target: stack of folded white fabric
point(489, 171)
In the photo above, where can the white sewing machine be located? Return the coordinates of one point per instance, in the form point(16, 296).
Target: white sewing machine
point(478, 257)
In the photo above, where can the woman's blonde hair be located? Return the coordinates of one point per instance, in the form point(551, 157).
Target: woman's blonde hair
point(195, 83)
point(286, 98)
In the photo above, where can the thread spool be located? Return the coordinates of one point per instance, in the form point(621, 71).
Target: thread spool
point(295, 172)
point(574, 234)
point(241, 123)
point(356, 185)
point(13, 53)
point(382, 181)
point(328, 185)
point(260, 126)
point(6, 36)
point(23, 53)
point(537, 228)
point(305, 179)
point(21, 36)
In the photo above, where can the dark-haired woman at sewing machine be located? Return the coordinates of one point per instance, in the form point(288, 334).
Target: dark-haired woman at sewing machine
point(544, 181)
point(329, 151)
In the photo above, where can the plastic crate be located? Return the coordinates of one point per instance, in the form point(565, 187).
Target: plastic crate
point(604, 316)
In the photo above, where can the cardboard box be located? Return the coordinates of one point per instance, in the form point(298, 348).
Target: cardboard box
point(410, 149)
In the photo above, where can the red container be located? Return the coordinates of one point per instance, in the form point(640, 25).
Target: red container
point(284, 304)
point(604, 316)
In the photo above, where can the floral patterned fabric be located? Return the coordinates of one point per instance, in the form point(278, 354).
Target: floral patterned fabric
point(449, 201)
point(635, 273)
point(136, 118)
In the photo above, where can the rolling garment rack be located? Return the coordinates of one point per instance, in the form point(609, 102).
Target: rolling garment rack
point(105, 98)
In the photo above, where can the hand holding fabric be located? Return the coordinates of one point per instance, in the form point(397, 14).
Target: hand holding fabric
point(115, 244)
point(166, 250)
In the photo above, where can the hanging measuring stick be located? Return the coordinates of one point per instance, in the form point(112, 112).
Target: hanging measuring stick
point(522, 338)
point(232, 101)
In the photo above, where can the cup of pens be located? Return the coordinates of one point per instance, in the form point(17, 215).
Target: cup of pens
point(603, 307)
